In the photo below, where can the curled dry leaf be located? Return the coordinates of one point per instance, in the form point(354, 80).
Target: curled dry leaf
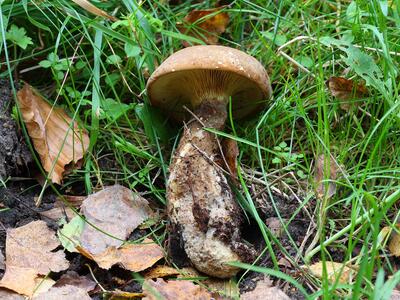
point(69, 292)
point(206, 25)
point(29, 254)
point(265, 291)
point(133, 257)
point(324, 173)
point(117, 211)
point(346, 89)
point(172, 290)
point(335, 271)
point(231, 153)
point(56, 137)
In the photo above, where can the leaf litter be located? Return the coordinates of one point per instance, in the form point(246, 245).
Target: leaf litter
point(110, 217)
point(206, 25)
point(29, 256)
point(59, 141)
point(346, 89)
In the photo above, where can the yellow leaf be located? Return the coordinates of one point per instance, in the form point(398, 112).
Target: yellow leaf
point(334, 270)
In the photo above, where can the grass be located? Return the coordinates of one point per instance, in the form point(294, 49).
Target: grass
point(302, 44)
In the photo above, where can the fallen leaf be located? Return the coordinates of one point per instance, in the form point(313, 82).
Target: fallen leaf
point(114, 213)
point(73, 278)
point(58, 213)
point(383, 234)
point(264, 290)
point(70, 234)
point(394, 244)
point(118, 295)
point(31, 246)
point(25, 281)
point(231, 153)
point(57, 142)
point(69, 292)
point(94, 10)
point(222, 287)
point(275, 226)
point(206, 25)
point(334, 270)
point(160, 271)
point(10, 295)
point(29, 254)
point(321, 176)
point(346, 89)
point(75, 201)
point(172, 290)
point(133, 257)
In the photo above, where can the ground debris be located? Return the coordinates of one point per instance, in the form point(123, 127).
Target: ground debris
point(174, 289)
point(56, 137)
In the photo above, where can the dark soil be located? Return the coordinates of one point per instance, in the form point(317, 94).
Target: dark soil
point(14, 154)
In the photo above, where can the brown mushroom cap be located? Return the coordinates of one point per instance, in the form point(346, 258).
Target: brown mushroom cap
point(199, 73)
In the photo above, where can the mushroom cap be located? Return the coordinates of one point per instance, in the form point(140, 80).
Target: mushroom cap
point(208, 72)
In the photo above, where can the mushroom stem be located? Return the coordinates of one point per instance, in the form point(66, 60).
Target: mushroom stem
point(201, 206)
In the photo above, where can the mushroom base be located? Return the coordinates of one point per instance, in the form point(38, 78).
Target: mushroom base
point(201, 204)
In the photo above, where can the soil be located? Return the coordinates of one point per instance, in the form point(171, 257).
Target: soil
point(14, 154)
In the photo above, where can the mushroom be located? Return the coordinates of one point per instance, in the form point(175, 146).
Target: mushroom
point(201, 206)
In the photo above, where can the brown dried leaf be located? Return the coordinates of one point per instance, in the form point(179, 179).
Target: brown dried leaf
point(231, 153)
point(133, 257)
point(320, 177)
point(94, 10)
point(172, 290)
point(346, 89)
point(49, 128)
point(206, 25)
point(73, 278)
point(31, 246)
point(264, 290)
point(160, 271)
point(58, 213)
point(120, 295)
point(394, 244)
point(334, 269)
point(25, 281)
point(69, 292)
point(75, 201)
point(115, 210)
point(219, 287)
